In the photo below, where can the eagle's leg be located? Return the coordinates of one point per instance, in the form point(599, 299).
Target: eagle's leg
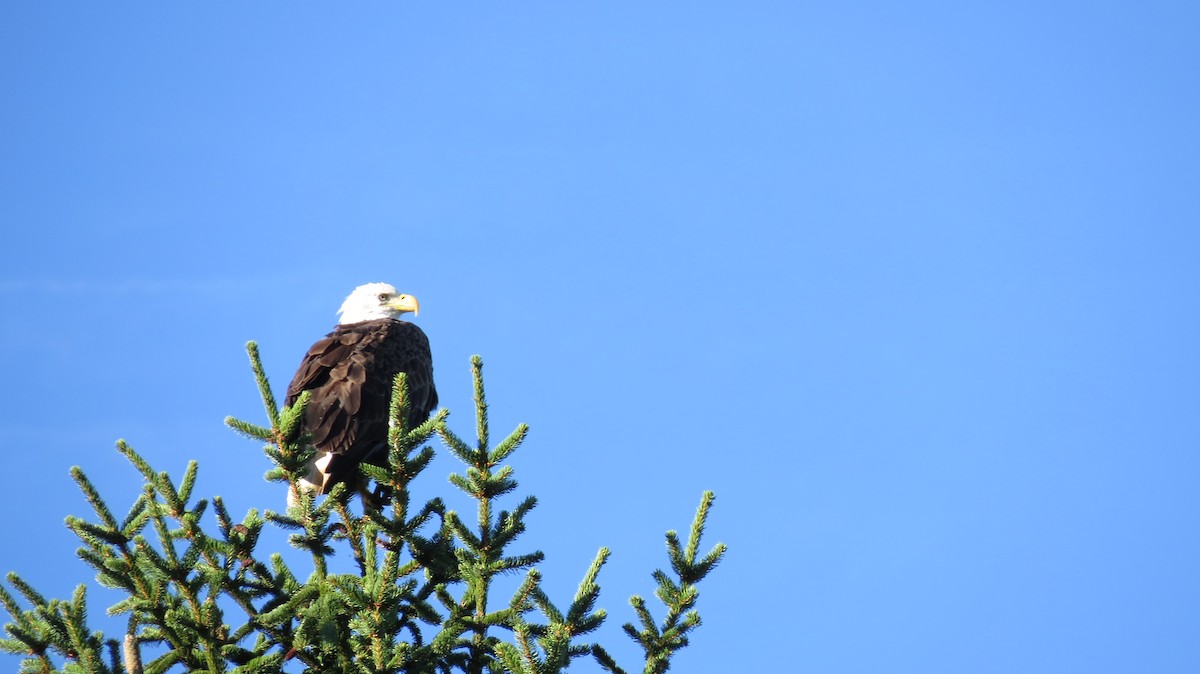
point(376, 499)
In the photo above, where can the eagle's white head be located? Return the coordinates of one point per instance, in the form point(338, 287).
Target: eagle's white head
point(375, 300)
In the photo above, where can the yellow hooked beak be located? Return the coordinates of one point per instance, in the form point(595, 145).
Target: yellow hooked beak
point(405, 303)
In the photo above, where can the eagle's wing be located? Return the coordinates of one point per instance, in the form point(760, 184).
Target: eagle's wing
point(350, 373)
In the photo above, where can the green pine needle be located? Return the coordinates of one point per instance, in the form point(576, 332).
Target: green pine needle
point(93, 497)
point(249, 430)
point(481, 407)
point(264, 386)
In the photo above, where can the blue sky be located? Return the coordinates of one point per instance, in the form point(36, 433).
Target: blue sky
point(911, 286)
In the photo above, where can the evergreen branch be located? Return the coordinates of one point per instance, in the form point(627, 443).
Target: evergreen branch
point(354, 535)
point(710, 561)
point(224, 522)
point(398, 410)
point(517, 516)
point(587, 594)
point(31, 595)
point(660, 642)
point(501, 483)
point(546, 606)
point(115, 571)
point(513, 660)
point(86, 647)
point(252, 431)
point(649, 627)
point(165, 541)
point(170, 496)
point(147, 553)
point(679, 563)
point(95, 535)
point(285, 611)
point(460, 530)
point(137, 517)
point(606, 661)
point(291, 417)
point(522, 599)
point(10, 605)
point(188, 482)
point(27, 629)
point(378, 473)
point(264, 386)
point(698, 530)
point(517, 562)
point(481, 407)
point(430, 426)
point(164, 662)
point(418, 463)
point(508, 445)
point(137, 461)
point(456, 445)
point(469, 487)
point(93, 498)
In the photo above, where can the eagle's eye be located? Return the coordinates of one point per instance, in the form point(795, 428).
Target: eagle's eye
point(383, 297)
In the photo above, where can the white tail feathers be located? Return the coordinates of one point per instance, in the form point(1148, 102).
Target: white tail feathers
point(314, 481)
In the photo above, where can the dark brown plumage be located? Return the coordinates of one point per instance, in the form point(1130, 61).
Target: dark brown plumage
point(350, 373)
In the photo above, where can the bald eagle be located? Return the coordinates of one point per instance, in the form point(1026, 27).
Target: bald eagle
point(350, 373)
